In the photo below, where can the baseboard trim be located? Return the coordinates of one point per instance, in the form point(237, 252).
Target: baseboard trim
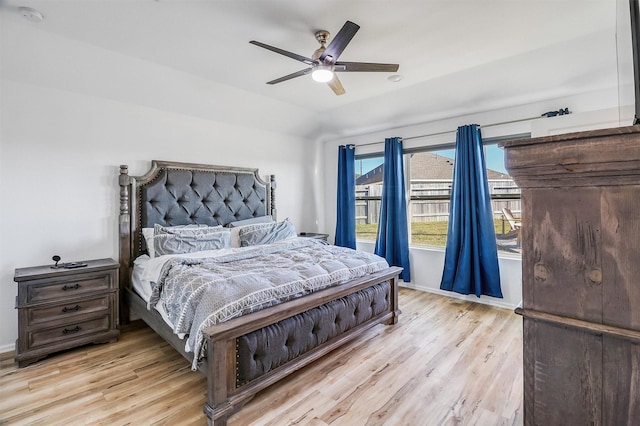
point(7, 351)
point(485, 300)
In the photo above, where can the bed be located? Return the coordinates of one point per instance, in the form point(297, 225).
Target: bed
point(244, 353)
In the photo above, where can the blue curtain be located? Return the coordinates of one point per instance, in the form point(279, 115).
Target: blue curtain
point(346, 212)
point(392, 241)
point(471, 256)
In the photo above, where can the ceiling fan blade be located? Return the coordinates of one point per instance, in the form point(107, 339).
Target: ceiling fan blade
point(339, 42)
point(336, 85)
point(290, 76)
point(295, 56)
point(365, 67)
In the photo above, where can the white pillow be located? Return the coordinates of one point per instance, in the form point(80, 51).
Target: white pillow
point(147, 233)
point(150, 233)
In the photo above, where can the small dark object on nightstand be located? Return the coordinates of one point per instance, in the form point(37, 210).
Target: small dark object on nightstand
point(56, 259)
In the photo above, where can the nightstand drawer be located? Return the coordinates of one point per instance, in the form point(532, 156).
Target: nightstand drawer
point(73, 330)
point(46, 290)
point(68, 310)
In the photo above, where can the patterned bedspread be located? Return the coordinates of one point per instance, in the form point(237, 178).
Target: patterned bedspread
point(197, 293)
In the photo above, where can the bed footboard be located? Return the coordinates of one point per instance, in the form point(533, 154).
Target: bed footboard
point(234, 378)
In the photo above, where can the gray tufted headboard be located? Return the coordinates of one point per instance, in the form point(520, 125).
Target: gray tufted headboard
point(173, 193)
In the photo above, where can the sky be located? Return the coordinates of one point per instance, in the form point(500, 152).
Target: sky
point(494, 158)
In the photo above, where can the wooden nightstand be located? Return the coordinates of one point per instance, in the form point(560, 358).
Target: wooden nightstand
point(322, 237)
point(63, 308)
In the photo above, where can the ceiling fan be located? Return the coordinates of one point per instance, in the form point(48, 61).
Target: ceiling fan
point(323, 64)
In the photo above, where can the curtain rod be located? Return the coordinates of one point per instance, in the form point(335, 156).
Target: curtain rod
point(546, 114)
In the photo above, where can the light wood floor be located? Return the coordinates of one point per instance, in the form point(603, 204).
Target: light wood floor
point(447, 362)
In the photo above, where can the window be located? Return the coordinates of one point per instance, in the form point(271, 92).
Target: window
point(430, 175)
point(430, 190)
point(368, 195)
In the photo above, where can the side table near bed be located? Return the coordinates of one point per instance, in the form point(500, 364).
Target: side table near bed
point(62, 308)
point(322, 237)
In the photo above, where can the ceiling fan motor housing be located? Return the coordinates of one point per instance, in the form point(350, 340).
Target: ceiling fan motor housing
point(322, 36)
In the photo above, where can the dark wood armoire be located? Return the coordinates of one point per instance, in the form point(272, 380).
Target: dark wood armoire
point(580, 275)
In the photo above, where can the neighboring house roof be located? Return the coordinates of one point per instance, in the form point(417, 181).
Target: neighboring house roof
point(425, 165)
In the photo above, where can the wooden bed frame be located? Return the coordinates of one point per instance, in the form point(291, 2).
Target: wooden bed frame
point(225, 395)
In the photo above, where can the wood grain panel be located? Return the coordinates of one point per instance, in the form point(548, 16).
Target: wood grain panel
point(526, 239)
point(621, 382)
point(621, 265)
point(565, 360)
point(566, 274)
point(529, 334)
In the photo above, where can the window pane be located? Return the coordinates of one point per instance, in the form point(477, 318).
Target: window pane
point(430, 190)
point(505, 201)
point(368, 193)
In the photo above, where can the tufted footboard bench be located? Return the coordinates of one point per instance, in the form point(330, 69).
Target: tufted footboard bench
point(270, 347)
point(255, 351)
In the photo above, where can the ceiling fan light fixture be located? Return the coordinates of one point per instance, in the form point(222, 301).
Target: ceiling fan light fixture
point(322, 74)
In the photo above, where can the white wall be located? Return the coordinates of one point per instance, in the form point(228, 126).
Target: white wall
point(590, 111)
point(64, 133)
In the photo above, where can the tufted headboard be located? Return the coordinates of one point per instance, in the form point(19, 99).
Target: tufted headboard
point(173, 193)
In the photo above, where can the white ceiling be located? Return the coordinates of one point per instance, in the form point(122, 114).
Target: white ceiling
point(456, 56)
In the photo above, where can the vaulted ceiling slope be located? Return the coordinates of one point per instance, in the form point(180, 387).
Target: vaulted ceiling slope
point(456, 57)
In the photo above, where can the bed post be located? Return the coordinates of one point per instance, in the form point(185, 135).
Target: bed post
point(125, 239)
point(394, 299)
point(272, 188)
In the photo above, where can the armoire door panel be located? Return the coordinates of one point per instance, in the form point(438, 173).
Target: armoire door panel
point(566, 260)
point(567, 374)
point(621, 263)
point(621, 382)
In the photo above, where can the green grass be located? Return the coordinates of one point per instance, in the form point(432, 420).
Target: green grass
point(428, 233)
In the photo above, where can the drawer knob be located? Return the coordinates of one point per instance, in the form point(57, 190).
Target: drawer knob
point(71, 287)
point(71, 330)
point(75, 308)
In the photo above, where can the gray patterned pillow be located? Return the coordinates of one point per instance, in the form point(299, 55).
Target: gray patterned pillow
point(150, 233)
point(178, 229)
point(189, 240)
point(265, 233)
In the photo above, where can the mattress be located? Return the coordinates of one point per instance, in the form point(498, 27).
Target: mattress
point(143, 287)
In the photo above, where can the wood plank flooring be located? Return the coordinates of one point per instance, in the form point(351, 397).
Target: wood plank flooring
point(447, 362)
